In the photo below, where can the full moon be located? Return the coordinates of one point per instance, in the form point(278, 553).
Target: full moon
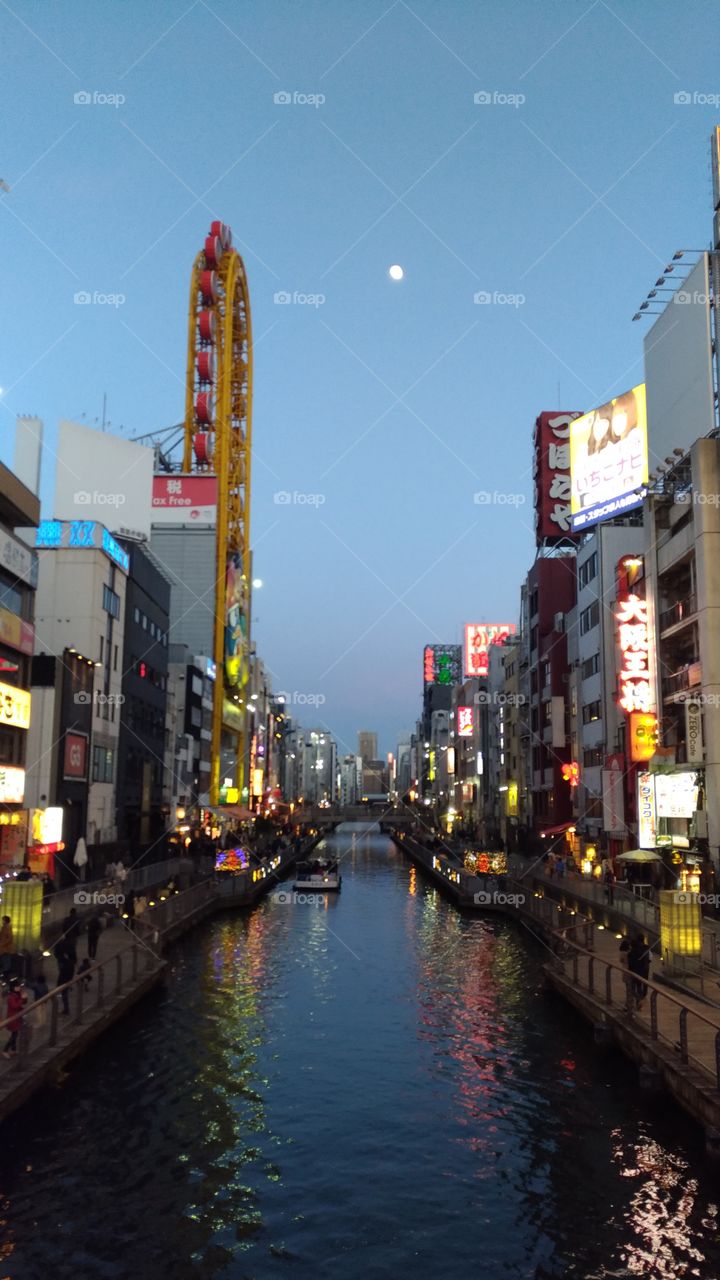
point(396, 273)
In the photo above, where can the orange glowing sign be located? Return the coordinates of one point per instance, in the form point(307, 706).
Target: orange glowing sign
point(643, 735)
point(571, 773)
point(635, 690)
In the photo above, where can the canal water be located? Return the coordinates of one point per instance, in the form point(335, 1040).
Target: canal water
point(363, 1087)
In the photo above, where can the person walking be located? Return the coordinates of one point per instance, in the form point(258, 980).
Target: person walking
point(7, 946)
point(639, 966)
point(72, 927)
point(15, 1006)
point(94, 929)
point(66, 961)
point(38, 1021)
point(609, 878)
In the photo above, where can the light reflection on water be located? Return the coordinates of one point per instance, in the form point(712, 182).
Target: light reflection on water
point(373, 1086)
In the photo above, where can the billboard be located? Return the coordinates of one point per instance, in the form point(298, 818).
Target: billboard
point(465, 722)
point(608, 459)
point(442, 664)
point(235, 618)
point(478, 638)
point(551, 472)
point(103, 477)
point(676, 795)
point(75, 756)
point(679, 368)
point(181, 499)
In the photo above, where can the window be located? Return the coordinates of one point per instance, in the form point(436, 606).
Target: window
point(103, 764)
point(111, 602)
point(546, 673)
point(590, 617)
point(591, 711)
point(152, 628)
point(10, 597)
point(593, 757)
point(136, 614)
point(534, 638)
point(588, 570)
point(102, 643)
point(547, 712)
point(115, 659)
point(590, 666)
point(144, 621)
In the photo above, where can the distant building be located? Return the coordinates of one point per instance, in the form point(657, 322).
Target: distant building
point(367, 745)
point(348, 782)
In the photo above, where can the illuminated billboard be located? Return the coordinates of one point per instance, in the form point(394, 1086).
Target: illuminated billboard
point(551, 471)
point(442, 664)
point(184, 499)
point(478, 638)
point(465, 722)
point(608, 459)
point(235, 619)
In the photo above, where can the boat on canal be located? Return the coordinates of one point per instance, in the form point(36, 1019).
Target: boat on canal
point(320, 875)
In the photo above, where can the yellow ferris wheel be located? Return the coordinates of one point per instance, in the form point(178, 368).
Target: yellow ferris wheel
point(218, 440)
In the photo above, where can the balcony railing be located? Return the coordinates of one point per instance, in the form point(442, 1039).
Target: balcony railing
point(685, 678)
point(678, 612)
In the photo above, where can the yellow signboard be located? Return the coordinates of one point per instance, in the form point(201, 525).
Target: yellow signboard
point(14, 706)
point(511, 800)
point(608, 459)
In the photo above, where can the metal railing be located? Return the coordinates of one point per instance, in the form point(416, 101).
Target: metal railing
point(694, 1036)
point(678, 612)
point(619, 899)
point(44, 1024)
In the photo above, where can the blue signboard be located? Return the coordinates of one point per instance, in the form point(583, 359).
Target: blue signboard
point(84, 534)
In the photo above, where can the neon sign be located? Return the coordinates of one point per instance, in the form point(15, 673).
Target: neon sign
point(571, 773)
point(635, 690)
point(465, 722)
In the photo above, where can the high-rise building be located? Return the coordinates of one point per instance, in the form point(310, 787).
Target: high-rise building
point(367, 745)
point(18, 579)
point(77, 678)
point(141, 747)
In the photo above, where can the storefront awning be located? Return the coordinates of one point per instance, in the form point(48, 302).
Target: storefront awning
point(558, 830)
point(236, 812)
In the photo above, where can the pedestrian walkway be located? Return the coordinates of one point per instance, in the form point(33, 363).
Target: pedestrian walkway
point(587, 958)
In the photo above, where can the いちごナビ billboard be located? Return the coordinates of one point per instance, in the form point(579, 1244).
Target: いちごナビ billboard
point(608, 459)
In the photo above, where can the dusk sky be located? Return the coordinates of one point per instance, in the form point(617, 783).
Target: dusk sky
point(381, 408)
